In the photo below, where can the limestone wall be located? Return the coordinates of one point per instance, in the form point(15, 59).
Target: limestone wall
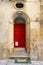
point(28, 37)
point(5, 36)
point(32, 9)
point(41, 22)
point(42, 41)
point(35, 40)
point(7, 10)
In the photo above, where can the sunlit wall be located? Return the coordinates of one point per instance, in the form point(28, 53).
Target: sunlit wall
point(7, 10)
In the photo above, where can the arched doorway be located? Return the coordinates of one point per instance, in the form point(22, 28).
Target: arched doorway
point(21, 23)
point(19, 32)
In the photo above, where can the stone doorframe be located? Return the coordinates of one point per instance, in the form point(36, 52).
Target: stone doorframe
point(27, 23)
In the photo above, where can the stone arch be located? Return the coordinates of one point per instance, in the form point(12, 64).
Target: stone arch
point(27, 23)
point(21, 14)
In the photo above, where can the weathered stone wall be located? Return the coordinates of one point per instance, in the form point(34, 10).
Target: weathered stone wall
point(41, 27)
point(7, 10)
point(34, 40)
point(33, 34)
point(42, 41)
point(28, 37)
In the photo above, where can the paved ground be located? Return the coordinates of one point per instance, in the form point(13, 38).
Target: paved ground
point(11, 62)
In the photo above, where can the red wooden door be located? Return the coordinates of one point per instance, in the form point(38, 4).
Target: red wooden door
point(19, 35)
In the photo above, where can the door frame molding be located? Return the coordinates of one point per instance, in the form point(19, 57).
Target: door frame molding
point(27, 23)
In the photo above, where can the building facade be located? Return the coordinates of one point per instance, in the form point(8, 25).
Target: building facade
point(21, 26)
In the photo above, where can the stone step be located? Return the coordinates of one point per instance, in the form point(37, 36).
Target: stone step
point(17, 49)
point(20, 53)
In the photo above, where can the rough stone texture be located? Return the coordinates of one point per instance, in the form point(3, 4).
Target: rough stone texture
point(7, 10)
point(27, 37)
point(41, 27)
point(34, 40)
point(42, 40)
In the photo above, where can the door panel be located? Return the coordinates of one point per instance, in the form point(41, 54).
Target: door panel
point(19, 35)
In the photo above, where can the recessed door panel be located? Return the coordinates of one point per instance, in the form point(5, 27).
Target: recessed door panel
point(19, 35)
